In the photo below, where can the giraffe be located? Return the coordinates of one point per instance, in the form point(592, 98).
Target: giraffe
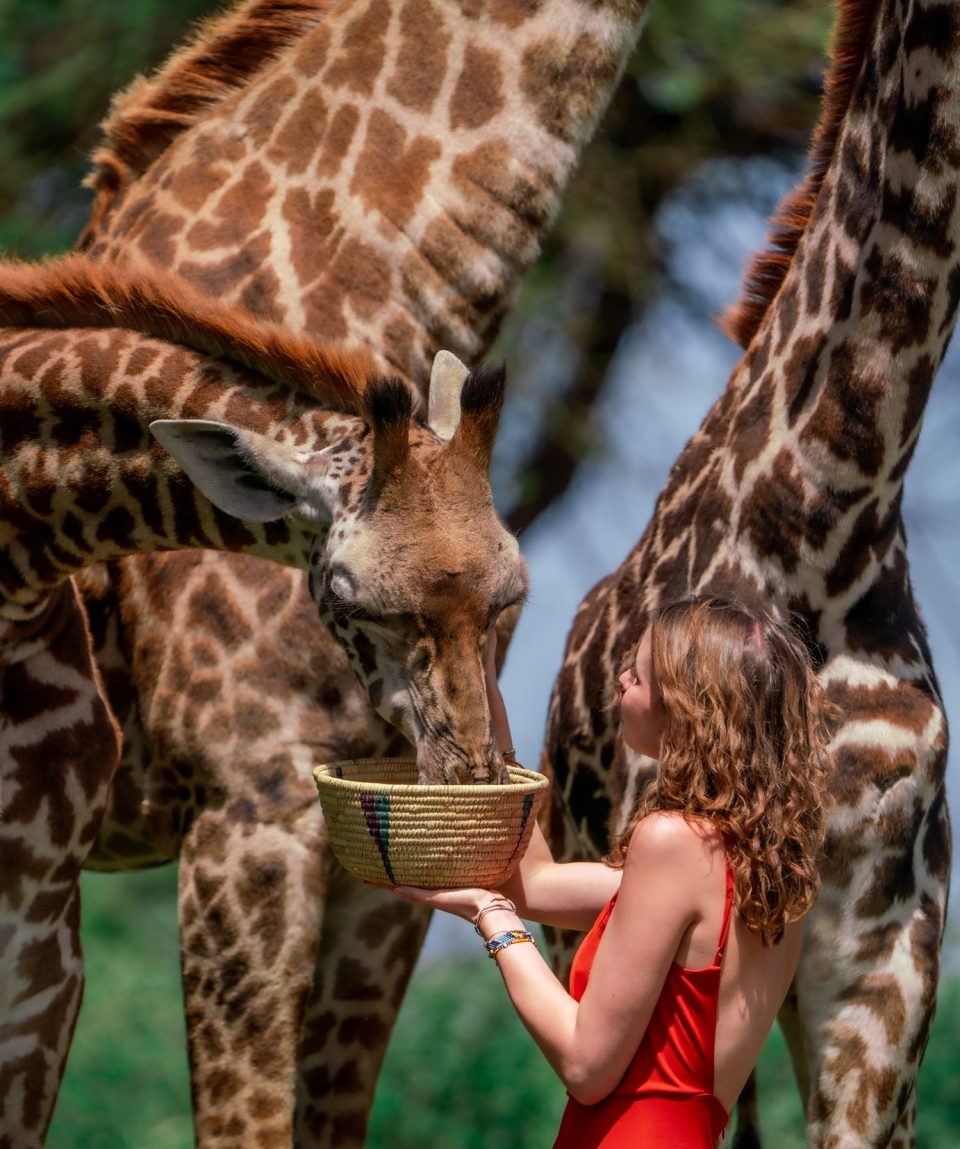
point(303, 160)
point(311, 459)
point(791, 489)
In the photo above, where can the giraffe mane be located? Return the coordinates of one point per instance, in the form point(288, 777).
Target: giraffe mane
point(767, 271)
point(225, 51)
point(75, 291)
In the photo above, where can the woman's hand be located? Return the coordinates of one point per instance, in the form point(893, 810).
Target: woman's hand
point(465, 903)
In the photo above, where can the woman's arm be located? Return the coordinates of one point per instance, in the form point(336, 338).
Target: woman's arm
point(590, 1044)
point(569, 894)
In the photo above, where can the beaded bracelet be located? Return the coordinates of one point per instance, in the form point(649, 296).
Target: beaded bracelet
point(508, 938)
point(499, 903)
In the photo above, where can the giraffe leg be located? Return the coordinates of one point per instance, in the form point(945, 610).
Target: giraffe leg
point(367, 953)
point(251, 902)
point(59, 748)
point(904, 1136)
point(42, 974)
point(867, 1025)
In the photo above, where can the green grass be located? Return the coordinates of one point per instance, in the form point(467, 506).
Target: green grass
point(126, 1085)
point(461, 1071)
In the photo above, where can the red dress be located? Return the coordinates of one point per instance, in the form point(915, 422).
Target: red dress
point(665, 1098)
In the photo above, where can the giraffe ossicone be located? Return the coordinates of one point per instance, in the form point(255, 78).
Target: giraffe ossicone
point(447, 377)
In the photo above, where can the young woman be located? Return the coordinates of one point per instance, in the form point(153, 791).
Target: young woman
point(678, 982)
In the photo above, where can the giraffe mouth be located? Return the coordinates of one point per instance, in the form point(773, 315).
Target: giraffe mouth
point(452, 766)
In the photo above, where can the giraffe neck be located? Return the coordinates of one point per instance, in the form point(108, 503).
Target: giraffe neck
point(81, 477)
point(387, 180)
point(809, 445)
point(228, 50)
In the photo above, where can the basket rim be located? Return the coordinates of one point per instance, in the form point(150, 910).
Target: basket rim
point(525, 780)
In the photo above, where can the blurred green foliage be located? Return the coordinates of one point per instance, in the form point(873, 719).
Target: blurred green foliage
point(126, 1085)
point(461, 1070)
point(60, 63)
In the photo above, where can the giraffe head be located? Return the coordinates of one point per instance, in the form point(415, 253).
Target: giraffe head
point(409, 562)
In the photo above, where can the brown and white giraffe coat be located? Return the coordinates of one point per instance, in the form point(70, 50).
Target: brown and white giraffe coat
point(254, 165)
point(387, 179)
point(792, 489)
point(320, 476)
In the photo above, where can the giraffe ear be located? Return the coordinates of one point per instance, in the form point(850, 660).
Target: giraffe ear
point(389, 405)
point(446, 382)
point(480, 405)
point(250, 476)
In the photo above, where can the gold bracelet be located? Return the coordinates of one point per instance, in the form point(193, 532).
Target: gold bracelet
point(499, 903)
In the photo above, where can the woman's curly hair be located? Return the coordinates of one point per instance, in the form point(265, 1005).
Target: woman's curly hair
point(744, 745)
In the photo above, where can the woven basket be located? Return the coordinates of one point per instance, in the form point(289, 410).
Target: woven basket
point(384, 827)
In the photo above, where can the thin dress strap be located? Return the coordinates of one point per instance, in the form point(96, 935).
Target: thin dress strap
point(725, 928)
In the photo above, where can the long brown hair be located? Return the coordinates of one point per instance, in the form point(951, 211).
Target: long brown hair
point(743, 745)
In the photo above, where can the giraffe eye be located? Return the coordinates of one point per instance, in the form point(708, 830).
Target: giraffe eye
point(343, 609)
point(341, 586)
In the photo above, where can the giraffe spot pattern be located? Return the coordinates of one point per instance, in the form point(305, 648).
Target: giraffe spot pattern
point(869, 539)
point(358, 279)
point(268, 108)
point(548, 70)
point(293, 143)
point(900, 298)
point(310, 57)
point(391, 172)
point(240, 212)
point(360, 61)
point(336, 143)
point(420, 68)
point(159, 242)
point(876, 623)
point(261, 286)
point(200, 178)
point(773, 513)
point(847, 415)
point(478, 95)
point(514, 13)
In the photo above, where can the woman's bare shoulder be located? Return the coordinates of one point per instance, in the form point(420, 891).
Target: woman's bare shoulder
point(669, 837)
point(672, 830)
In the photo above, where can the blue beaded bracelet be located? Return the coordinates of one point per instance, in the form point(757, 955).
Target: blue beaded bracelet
point(508, 938)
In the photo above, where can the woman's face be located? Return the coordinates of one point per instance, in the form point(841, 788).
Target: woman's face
point(641, 708)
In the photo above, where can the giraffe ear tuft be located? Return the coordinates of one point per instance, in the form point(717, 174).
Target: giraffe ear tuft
point(481, 403)
point(389, 406)
point(447, 378)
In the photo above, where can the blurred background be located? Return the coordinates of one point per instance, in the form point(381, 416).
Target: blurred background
point(613, 358)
